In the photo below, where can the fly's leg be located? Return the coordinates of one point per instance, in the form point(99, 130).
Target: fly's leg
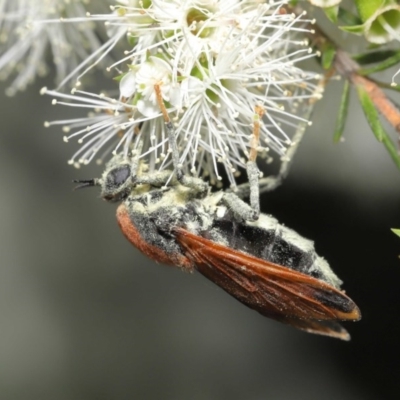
point(241, 209)
point(197, 184)
point(157, 179)
point(169, 127)
point(270, 183)
point(251, 167)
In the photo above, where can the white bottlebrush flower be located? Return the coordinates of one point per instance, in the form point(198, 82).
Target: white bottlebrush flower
point(109, 121)
point(25, 39)
point(215, 63)
point(140, 83)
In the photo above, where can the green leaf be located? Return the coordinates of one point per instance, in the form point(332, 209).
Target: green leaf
point(356, 29)
point(392, 149)
point(342, 115)
point(374, 57)
point(385, 85)
point(348, 18)
point(367, 8)
point(396, 231)
point(332, 13)
point(328, 56)
point(132, 39)
point(119, 77)
point(388, 63)
point(375, 124)
point(370, 112)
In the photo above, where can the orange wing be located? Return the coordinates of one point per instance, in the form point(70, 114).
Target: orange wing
point(275, 291)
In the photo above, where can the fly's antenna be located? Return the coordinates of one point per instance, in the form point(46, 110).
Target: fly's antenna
point(84, 183)
point(169, 127)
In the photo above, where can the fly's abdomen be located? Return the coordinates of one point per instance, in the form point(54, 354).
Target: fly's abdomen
point(273, 242)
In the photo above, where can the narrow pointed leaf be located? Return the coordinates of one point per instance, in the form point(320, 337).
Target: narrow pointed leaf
point(389, 62)
point(342, 115)
point(386, 85)
point(356, 29)
point(328, 56)
point(348, 18)
point(373, 119)
point(332, 13)
point(370, 112)
point(374, 57)
point(396, 231)
point(392, 149)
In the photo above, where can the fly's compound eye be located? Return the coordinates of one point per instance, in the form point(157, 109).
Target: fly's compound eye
point(118, 176)
point(116, 185)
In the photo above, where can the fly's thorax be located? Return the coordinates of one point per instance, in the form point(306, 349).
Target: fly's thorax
point(174, 206)
point(153, 199)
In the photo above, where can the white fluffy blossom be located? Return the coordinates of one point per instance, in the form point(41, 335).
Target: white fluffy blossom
point(215, 62)
point(25, 39)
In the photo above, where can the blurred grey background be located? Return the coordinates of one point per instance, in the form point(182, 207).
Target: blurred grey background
point(85, 316)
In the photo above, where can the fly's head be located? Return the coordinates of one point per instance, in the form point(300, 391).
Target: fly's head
point(117, 181)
